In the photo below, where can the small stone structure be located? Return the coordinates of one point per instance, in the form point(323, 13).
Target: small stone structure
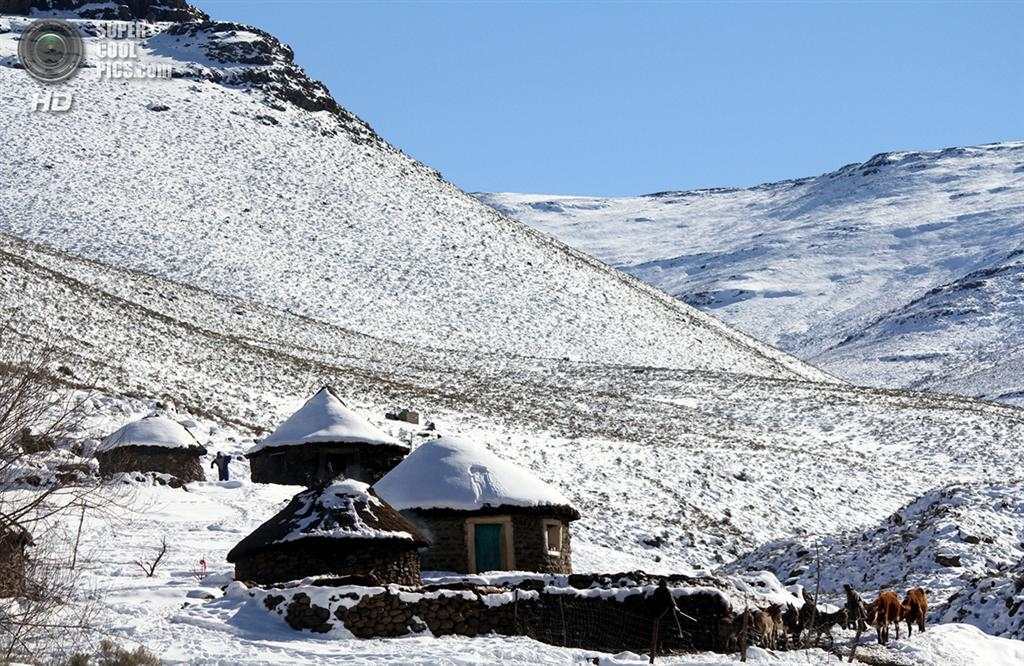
point(480, 512)
point(13, 559)
point(339, 528)
point(153, 444)
point(324, 440)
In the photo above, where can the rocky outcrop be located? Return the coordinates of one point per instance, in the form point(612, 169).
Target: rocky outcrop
point(110, 10)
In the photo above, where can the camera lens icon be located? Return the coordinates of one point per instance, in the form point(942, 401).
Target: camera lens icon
point(51, 50)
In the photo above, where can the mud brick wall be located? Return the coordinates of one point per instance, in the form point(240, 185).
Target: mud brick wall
point(182, 463)
point(286, 563)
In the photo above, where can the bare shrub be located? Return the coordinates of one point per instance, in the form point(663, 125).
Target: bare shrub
point(111, 654)
point(149, 566)
point(44, 612)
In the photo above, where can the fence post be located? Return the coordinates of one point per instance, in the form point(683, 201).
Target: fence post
point(515, 610)
point(561, 611)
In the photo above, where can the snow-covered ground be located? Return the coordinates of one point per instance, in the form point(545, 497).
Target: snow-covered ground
point(905, 270)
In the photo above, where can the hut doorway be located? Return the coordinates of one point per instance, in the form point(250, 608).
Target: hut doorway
point(489, 542)
point(488, 547)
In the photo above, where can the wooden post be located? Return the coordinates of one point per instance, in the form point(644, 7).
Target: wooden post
point(561, 610)
point(515, 610)
point(78, 536)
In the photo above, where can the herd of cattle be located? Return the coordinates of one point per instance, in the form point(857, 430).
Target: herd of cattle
point(787, 626)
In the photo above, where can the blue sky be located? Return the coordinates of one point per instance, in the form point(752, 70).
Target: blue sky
point(616, 99)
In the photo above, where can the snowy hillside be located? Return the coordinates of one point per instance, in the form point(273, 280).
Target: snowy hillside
point(905, 270)
point(964, 543)
point(699, 466)
point(242, 176)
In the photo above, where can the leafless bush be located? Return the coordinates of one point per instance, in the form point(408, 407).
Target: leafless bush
point(43, 611)
point(149, 567)
point(111, 654)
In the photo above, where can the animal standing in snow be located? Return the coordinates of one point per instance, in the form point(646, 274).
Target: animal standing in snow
point(915, 609)
point(856, 611)
point(824, 622)
point(882, 612)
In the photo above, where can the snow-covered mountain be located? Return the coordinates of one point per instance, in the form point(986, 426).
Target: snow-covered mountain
point(905, 270)
point(242, 176)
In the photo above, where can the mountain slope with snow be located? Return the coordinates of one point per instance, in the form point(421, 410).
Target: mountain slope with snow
point(905, 270)
point(242, 176)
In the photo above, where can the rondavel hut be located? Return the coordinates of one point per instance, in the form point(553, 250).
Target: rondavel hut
point(324, 440)
point(480, 512)
point(14, 539)
point(153, 444)
point(338, 528)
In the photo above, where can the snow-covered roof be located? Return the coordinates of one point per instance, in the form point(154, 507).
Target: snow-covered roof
point(451, 473)
point(325, 418)
point(344, 510)
point(150, 431)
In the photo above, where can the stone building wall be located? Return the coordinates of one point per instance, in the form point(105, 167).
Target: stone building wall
point(303, 465)
point(295, 561)
point(182, 463)
point(530, 550)
point(12, 565)
point(449, 551)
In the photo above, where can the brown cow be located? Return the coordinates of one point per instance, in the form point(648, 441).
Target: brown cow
point(882, 612)
point(915, 609)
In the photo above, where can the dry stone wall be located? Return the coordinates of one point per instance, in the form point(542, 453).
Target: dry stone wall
point(608, 619)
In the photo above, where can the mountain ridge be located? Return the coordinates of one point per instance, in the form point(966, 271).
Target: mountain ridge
point(814, 264)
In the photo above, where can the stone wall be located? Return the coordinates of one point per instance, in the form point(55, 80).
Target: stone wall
point(182, 463)
point(294, 561)
point(12, 565)
point(609, 622)
point(449, 551)
point(306, 464)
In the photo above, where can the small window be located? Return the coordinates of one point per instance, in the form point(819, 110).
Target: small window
point(553, 537)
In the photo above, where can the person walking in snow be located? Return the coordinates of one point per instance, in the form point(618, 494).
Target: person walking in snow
point(221, 461)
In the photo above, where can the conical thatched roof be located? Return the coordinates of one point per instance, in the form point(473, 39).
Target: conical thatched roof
point(346, 513)
point(156, 431)
point(460, 475)
point(325, 419)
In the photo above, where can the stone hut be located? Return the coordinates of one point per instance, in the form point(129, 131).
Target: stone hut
point(338, 528)
point(153, 444)
point(324, 440)
point(13, 559)
point(480, 512)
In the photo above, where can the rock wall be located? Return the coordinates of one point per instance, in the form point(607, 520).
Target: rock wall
point(12, 565)
point(608, 620)
point(292, 562)
point(181, 463)
point(449, 551)
point(307, 464)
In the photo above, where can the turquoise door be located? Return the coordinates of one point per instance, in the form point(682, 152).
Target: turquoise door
point(487, 541)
